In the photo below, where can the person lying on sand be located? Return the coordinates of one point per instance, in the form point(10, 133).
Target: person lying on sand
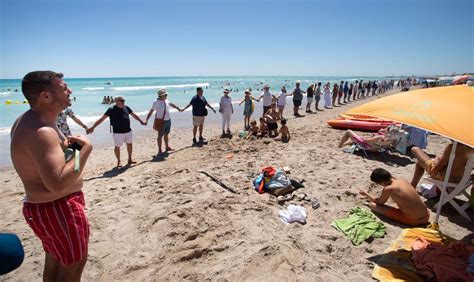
point(377, 141)
point(411, 210)
point(436, 167)
point(284, 132)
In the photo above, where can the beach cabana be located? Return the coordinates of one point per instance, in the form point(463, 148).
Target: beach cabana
point(446, 111)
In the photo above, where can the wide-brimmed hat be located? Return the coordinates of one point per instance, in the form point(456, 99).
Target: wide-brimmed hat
point(162, 92)
point(248, 91)
point(298, 82)
point(226, 90)
point(266, 86)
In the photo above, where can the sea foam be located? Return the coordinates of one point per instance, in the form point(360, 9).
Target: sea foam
point(92, 88)
point(135, 88)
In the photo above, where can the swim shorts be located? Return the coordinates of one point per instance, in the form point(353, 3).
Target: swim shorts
point(272, 126)
point(398, 215)
point(296, 103)
point(62, 227)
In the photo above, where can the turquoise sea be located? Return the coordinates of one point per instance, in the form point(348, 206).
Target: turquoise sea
point(140, 92)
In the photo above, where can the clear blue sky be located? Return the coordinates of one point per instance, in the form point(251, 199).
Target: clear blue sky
point(86, 38)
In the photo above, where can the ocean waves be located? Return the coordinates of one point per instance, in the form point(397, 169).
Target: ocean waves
point(153, 87)
point(92, 88)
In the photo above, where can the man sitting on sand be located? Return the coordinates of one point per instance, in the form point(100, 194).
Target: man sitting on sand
point(411, 210)
point(436, 167)
point(122, 132)
point(54, 202)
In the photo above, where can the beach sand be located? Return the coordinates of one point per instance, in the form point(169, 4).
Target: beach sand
point(163, 220)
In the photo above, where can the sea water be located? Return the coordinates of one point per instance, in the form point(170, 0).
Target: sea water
point(140, 93)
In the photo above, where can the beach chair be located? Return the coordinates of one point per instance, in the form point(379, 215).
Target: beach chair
point(454, 190)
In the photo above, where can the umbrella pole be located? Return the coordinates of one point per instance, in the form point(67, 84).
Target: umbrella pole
point(445, 184)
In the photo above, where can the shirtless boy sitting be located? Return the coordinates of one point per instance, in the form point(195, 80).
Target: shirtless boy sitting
point(411, 210)
point(436, 167)
point(285, 133)
point(263, 129)
point(271, 118)
point(253, 130)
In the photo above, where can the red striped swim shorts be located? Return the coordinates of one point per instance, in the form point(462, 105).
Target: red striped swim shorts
point(62, 227)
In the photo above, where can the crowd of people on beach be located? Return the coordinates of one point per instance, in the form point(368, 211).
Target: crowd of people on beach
point(54, 202)
point(272, 112)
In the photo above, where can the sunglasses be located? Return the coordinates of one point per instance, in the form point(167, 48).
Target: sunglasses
point(120, 100)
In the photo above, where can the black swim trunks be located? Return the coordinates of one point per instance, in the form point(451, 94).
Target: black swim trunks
point(272, 126)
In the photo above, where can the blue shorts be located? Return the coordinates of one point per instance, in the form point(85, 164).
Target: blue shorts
point(166, 127)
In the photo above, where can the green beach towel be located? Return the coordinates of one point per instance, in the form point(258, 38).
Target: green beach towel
point(360, 226)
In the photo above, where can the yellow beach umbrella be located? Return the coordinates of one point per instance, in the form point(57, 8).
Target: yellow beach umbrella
point(447, 111)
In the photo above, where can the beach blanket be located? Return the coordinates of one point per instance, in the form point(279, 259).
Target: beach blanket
point(395, 264)
point(442, 262)
point(360, 226)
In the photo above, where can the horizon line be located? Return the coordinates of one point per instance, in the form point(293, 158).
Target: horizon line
point(171, 76)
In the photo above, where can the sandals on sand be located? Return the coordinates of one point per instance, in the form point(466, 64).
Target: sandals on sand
point(315, 203)
point(284, 198)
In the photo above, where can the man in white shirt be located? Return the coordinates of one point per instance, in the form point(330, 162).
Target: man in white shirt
point(267, 99)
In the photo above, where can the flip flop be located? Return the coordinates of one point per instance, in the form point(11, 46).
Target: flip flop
point(284, 198)
point(315, 203)
point(301, 196)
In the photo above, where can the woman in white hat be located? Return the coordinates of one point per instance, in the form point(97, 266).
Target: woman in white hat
point(162, 122)
point(226, 110)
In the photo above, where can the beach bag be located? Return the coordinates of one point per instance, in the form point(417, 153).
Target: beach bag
point(279, 184)
point(273, 181)
point(158, 123)
point(264, 176)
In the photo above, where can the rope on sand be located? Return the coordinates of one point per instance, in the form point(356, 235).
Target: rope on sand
point(223, 185)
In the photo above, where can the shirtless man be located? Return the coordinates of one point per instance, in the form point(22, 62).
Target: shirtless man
point(54, 203)
point(411, 210)
point(436, 167)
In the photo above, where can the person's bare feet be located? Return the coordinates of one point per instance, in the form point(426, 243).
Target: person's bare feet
point(118, 164)
point(169, 148)
point(130, 162)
